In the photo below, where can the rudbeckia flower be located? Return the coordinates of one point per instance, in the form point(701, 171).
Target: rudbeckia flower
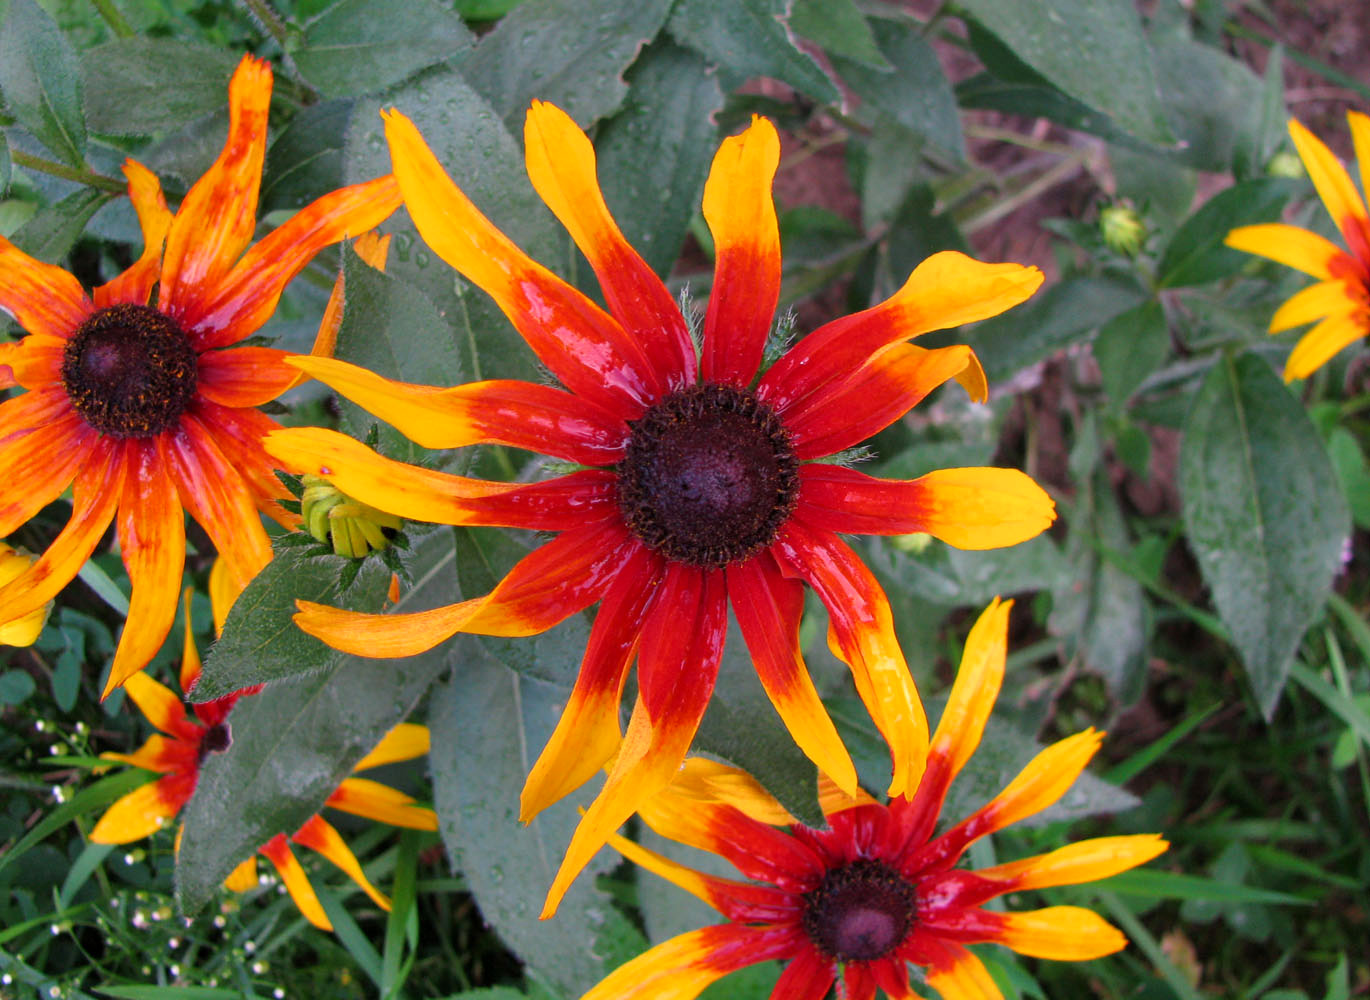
point(23, 631)
point(1339, 304)
point(187, 737)
point(145, 409)
point(703, 483)
point(874, 891)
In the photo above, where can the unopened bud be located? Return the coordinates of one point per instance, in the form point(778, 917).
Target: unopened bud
point(352, 528)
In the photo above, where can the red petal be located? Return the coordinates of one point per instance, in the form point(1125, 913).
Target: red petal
point(244, 376)
point(807, 977)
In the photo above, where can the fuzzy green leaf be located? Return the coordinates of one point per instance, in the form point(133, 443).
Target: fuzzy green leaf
point(146, 86)
point(1130, 347)
point(40, 80)
point(840, 28)
point(306, 160)
point(1264, 514)
point(1196, 255)
point(54, 230)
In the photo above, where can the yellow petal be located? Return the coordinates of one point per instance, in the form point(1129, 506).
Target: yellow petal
point(1288, 245)
point(278, 852)
point(965, 978)
point(1045, 779)
point(242, 878)
point(318, 835)
point(1313, 303)
point(1318, 346)
point(1075, 863)
point(985, 508)
point(159, 704)
point(695, 883)
point(223, 591)
point(364, 797)
point(1334, 184)
point(681, 968)
point(1360, 137)
point(976, 687)
point(1065, 933)
point(139, 814)
point(405, 742)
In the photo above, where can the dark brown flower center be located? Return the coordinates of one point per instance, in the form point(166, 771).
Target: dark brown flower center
point(860, 912)
point(130, 371)
point(216, 739)
point(709, 476)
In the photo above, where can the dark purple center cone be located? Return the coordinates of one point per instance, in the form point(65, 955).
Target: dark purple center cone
point(860, 912)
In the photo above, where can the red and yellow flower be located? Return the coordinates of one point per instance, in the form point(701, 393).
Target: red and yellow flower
point(1339, 304)
point(148, 409)
point(703, 482)
point(186, 737)
point(873, 892)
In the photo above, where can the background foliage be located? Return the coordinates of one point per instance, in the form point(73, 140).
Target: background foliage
point(1201, 596)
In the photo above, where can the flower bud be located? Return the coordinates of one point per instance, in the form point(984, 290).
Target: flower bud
point(352, 528)
point(1122, 228)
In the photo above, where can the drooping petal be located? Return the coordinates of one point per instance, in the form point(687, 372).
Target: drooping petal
point(538, 418)
point(154, 218)
point(1064, 933)
point(678, 657)
point(277, 851)
point(404, 742)
point(881, 391)
point(371, 799)
point(768, 608)
point(681, 968)
point(946, 290)
point(318, 835)
point(861, 632)
point(237, 305)
point(963, 978)
point(427, 495)
point(140, 813)
point(715, 891)
point(808, 976)
point(244, 376)
point(588, 731)
point(1334, 184)
point(152, 541)
point(1326, 298)
point(982, 508)
point(1316, 347)
point(1085, 861)
point(218, 215)
point(561, 165)
point(1288, 245)
point(40, 297)
point(45, 459)
point(566, 575)
point(741, 215)
point(582, 345)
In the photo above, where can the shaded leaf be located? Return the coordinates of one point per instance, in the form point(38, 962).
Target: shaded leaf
point(1196, 255)
point(147, 85)
point(1212, 101)
point(750, 38)
point(1263, 512)
point(357, 46)
point(41, 80)
point(306, 160)
point(4, 165)
point(839, 27)
point(1130, 347)
point(570, 52)
point(54, 230)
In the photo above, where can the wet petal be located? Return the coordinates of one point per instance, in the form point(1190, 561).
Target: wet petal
point(1288, 245)
point(582, 345)
point(946, 290)
point(244, 376)
point(41, 298)
point(768, 608)
point(861, 633)
point(318, 835)
point(885, 388)
point(140, 813)
point(538, 418)
point(277, 851)
point(681, 968)
point(741, 215)
point(1065, 933)
point(154, 218)
point(1320, 344)
point(371, 799)
point(1315, 302)
point(561, 165)
point(588, 732)
point(1334, 184)
point(981, 508)
point(405, 742)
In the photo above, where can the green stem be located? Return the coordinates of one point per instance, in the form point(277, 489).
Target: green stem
point(54, 169)
point(269, 19)
point(113, 18)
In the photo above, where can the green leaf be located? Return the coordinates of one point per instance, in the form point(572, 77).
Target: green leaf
point(169, 992)
point(839, 27)
point(1353, 472)
point(294, 742)
point(54, 230)
point(1093, 50)
point(1264, 515)
point(16, 687)
point(1196, 254)
point(916, 94)
point(750, 38)
point(1152, 883)
point(356, 46)
point(306, 159)
point(41, 81)
point(148, 85)
point(570, 52)
point(4, 165)
point(654, 155)
point(1038, 100)
point(1212, 101)
point(1130, 347)
point(1049, 321)
point(86, 801)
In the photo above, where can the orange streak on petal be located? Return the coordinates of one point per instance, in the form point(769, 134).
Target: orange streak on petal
point(162, 707)
point(371, 799)
point(239, 435)
point(161, 754)
point(244, 376)
point(965, 978)
point(135, 285)
point(278, 852)
point(45, 460)
point(41, 298)
point(681, 968)
point(318, 835)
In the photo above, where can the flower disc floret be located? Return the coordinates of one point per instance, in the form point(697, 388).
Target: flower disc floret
point(860, 912)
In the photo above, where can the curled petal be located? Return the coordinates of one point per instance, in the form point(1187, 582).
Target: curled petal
point(1316, 347)
point(1288, 245)
point(561, 165)
point(288, 867)
point(1334, 184)
point(982, 508)
point(538, 418)
point(741, 215)
point(1064, 933)
point(41, 298)
point(36, 362)
point(681, 968)
point(154, 218)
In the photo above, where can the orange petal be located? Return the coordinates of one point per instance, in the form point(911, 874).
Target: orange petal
point(277, 851)
point(218, 215)
point(704, 782)
point(36, 363)
point(364, 797)
point(583, 346)
point(190, 654)
point(139, 814)
point(1334, 184)
point(861, 633)
point(244, 376)
point(1288, 245)
point(318, 835)
point(162, 707)
point(1073, 864)
point(158, 753)
point(768, 608)
point(40, 297)
point(404, 742)
point(242, 878)
point(1320, 344)
point(45, 459)
point(538, 418)
point(681, 968)
point(372, 249)
point(741, 215)
point(1315, 302)
point(588, 731)
point(7, 351)
point(222, 594)
point(238, 434)
point(946, 290)
point(152, 541)
point(135, 285)
point(965, 978)
point(244, 299)
point(561, 165)
point(1360, 138)
point(983, 508)
point(1064, 933)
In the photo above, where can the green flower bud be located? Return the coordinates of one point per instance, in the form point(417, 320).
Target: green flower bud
point(1122, 228)
point(1285, 164)
point(352, 528)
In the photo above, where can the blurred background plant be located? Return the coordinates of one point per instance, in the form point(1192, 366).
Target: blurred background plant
point(1203, 596)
